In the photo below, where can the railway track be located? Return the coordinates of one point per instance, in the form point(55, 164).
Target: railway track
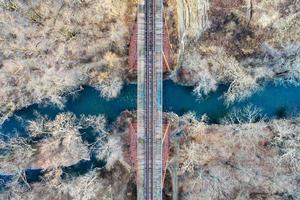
point(150, 67)
point(150, 40)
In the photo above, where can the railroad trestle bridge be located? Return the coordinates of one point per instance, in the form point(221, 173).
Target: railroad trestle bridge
point(150, 70)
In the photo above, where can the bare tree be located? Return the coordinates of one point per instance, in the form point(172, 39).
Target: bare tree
point(87, 187)
point(62, 146)
point(241, 161)
point(17, 155)
point(247, 114)
point(48, 50)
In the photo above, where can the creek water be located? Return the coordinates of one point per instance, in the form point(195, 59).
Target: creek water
point(274, 101)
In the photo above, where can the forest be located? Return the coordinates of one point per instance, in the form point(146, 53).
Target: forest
point(51, 50)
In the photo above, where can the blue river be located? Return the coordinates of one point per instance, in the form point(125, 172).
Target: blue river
point(274, 100)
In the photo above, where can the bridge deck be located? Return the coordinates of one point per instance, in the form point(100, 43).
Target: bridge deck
point(150, 67)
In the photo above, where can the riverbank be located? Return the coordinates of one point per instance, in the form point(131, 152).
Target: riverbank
point(239, 154)
point(238, 43)
point(50, 49)
point(237, 161)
